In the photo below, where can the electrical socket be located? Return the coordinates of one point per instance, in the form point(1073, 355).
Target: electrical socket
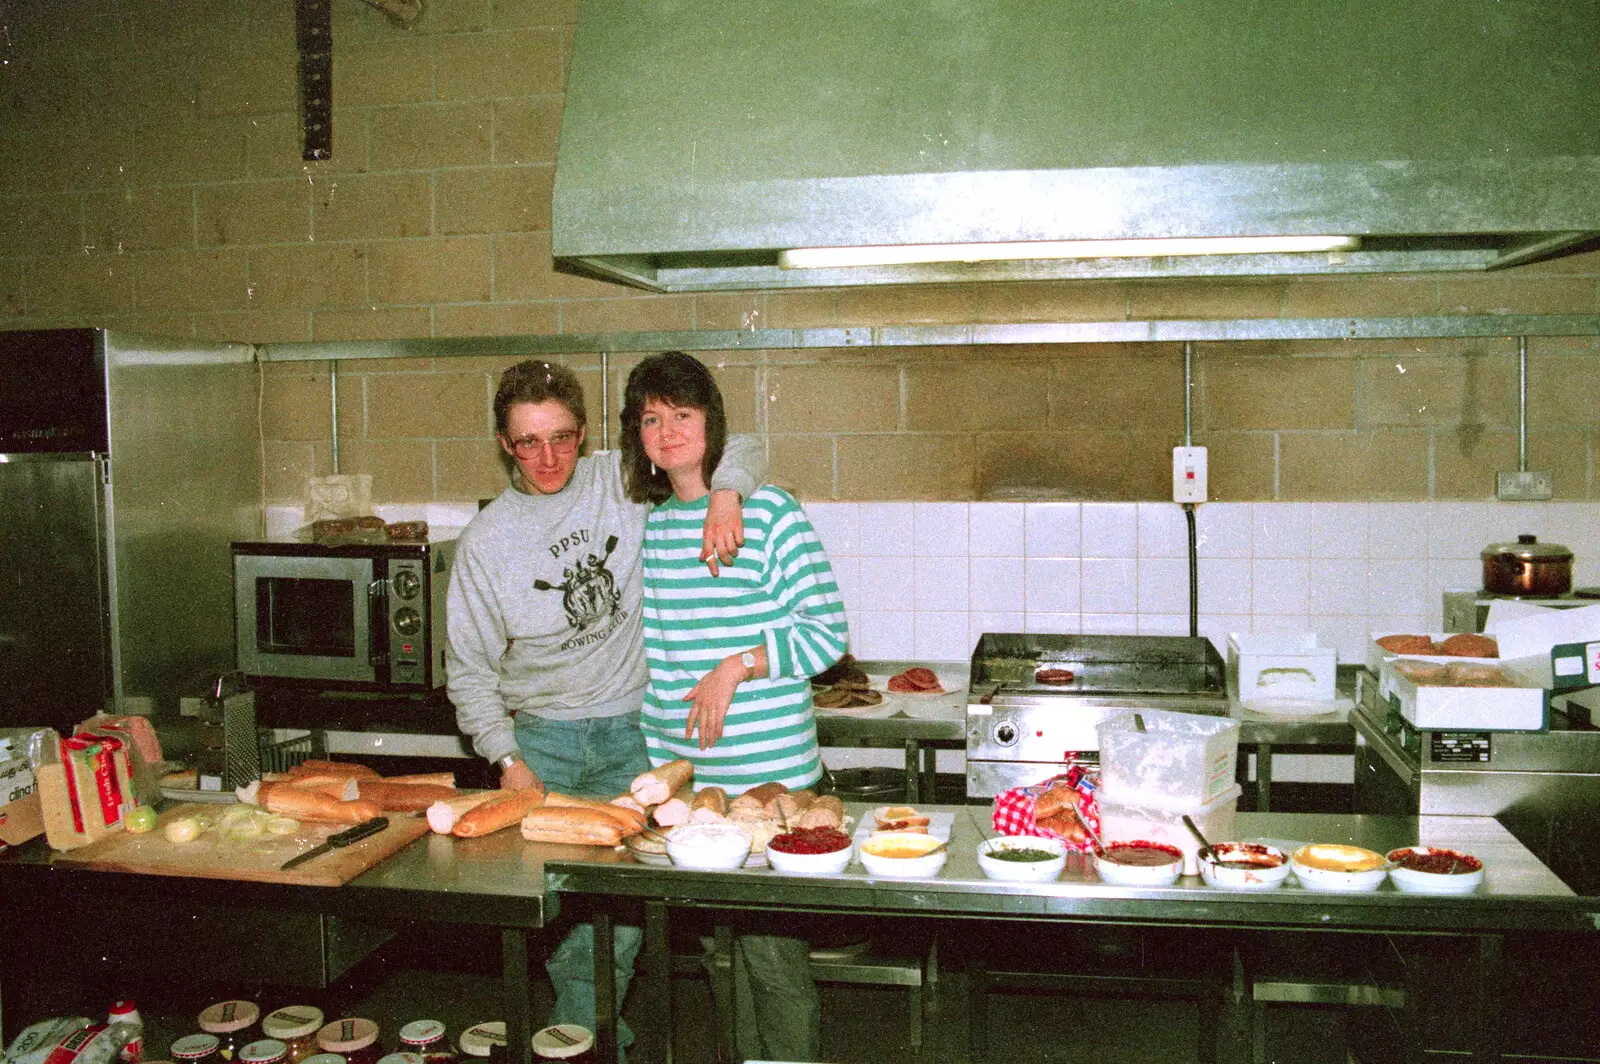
point(1524, 486)
point(1189, 474)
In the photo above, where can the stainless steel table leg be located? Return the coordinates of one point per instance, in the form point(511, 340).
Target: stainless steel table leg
point(605, 988)
point(913, 773)
point(518, 1005)
point(1488, 1041)
point(656, 1023)
point(930, 773)
point(724, 995)
point(1263, 777)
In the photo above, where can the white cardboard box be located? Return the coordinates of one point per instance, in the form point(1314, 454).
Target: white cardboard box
point(1270, 666)
point(1430, 707)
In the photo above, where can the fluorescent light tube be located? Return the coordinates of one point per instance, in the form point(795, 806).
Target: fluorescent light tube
point(905, 254)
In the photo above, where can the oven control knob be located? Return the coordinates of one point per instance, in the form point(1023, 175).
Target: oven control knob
point(406, 584)
point(407, 621)
point(1005, 733)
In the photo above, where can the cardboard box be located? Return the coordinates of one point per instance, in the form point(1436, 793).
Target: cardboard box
point(1432, 707)
point(21, 817)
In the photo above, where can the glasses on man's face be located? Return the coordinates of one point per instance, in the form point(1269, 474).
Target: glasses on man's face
point(530, 447)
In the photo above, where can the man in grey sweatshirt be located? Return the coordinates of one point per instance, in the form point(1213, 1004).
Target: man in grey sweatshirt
point(545, 655)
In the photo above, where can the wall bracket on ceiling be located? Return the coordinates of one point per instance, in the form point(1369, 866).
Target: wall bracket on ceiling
point(403, 13)
point(313, 31)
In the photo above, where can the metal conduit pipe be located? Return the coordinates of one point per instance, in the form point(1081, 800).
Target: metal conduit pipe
point(1188, 507)
point(1522, 404)
point(333, 399)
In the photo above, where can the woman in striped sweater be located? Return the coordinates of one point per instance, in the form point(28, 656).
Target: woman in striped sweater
point(730, 657)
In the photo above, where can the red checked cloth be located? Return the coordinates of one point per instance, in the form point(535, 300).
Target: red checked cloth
point(1013, 809)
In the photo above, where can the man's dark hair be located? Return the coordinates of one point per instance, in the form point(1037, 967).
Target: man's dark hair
point(534, 381)
point(678, 380)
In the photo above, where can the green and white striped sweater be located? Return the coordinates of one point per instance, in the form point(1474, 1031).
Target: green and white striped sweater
point(779, 592)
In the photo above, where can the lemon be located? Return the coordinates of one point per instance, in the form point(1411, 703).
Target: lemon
point(140, 820)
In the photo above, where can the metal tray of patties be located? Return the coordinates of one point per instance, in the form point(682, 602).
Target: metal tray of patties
point(1134, 664)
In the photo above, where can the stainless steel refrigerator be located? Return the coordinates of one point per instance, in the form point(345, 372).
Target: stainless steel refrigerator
point(127, 466)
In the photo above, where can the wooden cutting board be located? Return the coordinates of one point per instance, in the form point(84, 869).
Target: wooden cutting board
point(212, 857)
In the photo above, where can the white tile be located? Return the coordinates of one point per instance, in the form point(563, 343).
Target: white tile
point(1281, 530)
point(1347, 635)
point(886, 584)
point(1051, 585)
point(1110, 585)
point(995, 530)
point(837, 526)
point(1163, 530)
point(1398, 587)
point(981, 623)
point(995, 584)
point(1576, 526)
point(1339, 529)
point(1338, 587)
point(1053, 529)
point(1458, 530)
point(847, 574)
point(1217, 628)
point(1402, 622)
point(1282, 624)
point(939, 529)
point(1397, 530)
point(1222, 529)
point(1052, 623)
point(1110, 530)
point(942, 637)
point(885, 529)
point(1456, 574)
point(1512, 519)
point(1225, 585)
point(1164, 585)
point(1163, 624)
point(1279, 586)
point(879, 635)
point(1110, 624)
point(1330, 768)
point(1288, 768)
point(941, 584)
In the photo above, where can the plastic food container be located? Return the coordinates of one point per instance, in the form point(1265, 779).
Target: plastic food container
point(1143, 863)
point(902, 855)
point(1333, 866)
point(1180, 760)
point(1244, 866)
point(1434, 870)
point(1045, 871)
point(296, 1026)
point(709, 847)
point(1133, 820)
point(1272, 667)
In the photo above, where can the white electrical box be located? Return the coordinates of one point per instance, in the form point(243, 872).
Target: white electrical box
point(1188, 474)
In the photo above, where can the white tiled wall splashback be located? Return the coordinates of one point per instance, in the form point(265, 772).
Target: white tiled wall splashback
point(924, 580)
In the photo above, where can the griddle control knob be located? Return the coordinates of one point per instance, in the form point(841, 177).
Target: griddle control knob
point(407, 584)
point(1005, 733)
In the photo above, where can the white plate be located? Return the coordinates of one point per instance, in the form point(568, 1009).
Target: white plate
point(188, 794)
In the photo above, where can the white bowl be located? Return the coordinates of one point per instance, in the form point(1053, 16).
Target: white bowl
point(1022, 871)
point(1140, 875)
point(1413, 881)
point(808, 864)
point(708, 847)
point(1322, 866)
point(925, 866)
point(1264, 866)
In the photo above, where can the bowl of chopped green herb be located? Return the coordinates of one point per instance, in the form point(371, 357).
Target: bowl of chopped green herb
point(1022, 858)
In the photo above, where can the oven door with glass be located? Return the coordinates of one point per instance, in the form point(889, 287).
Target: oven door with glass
point(308, 618)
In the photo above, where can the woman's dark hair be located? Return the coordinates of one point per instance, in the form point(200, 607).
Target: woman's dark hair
point(678, 380)
point(534, 381)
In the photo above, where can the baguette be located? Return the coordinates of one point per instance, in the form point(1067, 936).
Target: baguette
point(710, 806)
point(572, 826)
point(443, 814)
point(403, 797)
point(500, 813)
point(661, 783)
point(316, 767)
point(289, 801)
point(437, 779)
point(628, 820)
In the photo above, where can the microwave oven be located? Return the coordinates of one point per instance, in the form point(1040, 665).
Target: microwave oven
point(368, 617)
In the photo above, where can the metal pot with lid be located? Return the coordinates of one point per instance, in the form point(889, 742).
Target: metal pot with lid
point(1527, 568)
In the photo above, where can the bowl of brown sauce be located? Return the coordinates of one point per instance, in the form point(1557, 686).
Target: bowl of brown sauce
point(1434, 870)
point(1140, 863)
point(1244, 866)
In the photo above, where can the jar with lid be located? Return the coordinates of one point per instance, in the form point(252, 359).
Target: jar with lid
point(485, 1040)
point(263, 1051)
point(427, 1039)
point(296, 1026)
point(353, 1038)
point(564, 1041)
point(233, 1022)
point(195, 1049)
point(402, 1058)
point(324, 1058)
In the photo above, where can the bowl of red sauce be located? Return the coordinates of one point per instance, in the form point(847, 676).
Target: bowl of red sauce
point(809, 852)
point(1244, 866)
point(1434, 870)
point(1140, 863)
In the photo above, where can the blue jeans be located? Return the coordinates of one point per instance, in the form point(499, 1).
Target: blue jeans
point(594, 758)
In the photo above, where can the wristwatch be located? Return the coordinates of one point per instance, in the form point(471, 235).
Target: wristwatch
point(748, 660)
point(507, 761)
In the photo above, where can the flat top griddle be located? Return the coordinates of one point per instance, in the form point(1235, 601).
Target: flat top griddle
point(1100, 664)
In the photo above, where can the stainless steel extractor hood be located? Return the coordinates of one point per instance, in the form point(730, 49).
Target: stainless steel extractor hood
point(701, 140)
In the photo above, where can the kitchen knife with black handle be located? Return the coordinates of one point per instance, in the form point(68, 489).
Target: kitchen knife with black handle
point(339, 841)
